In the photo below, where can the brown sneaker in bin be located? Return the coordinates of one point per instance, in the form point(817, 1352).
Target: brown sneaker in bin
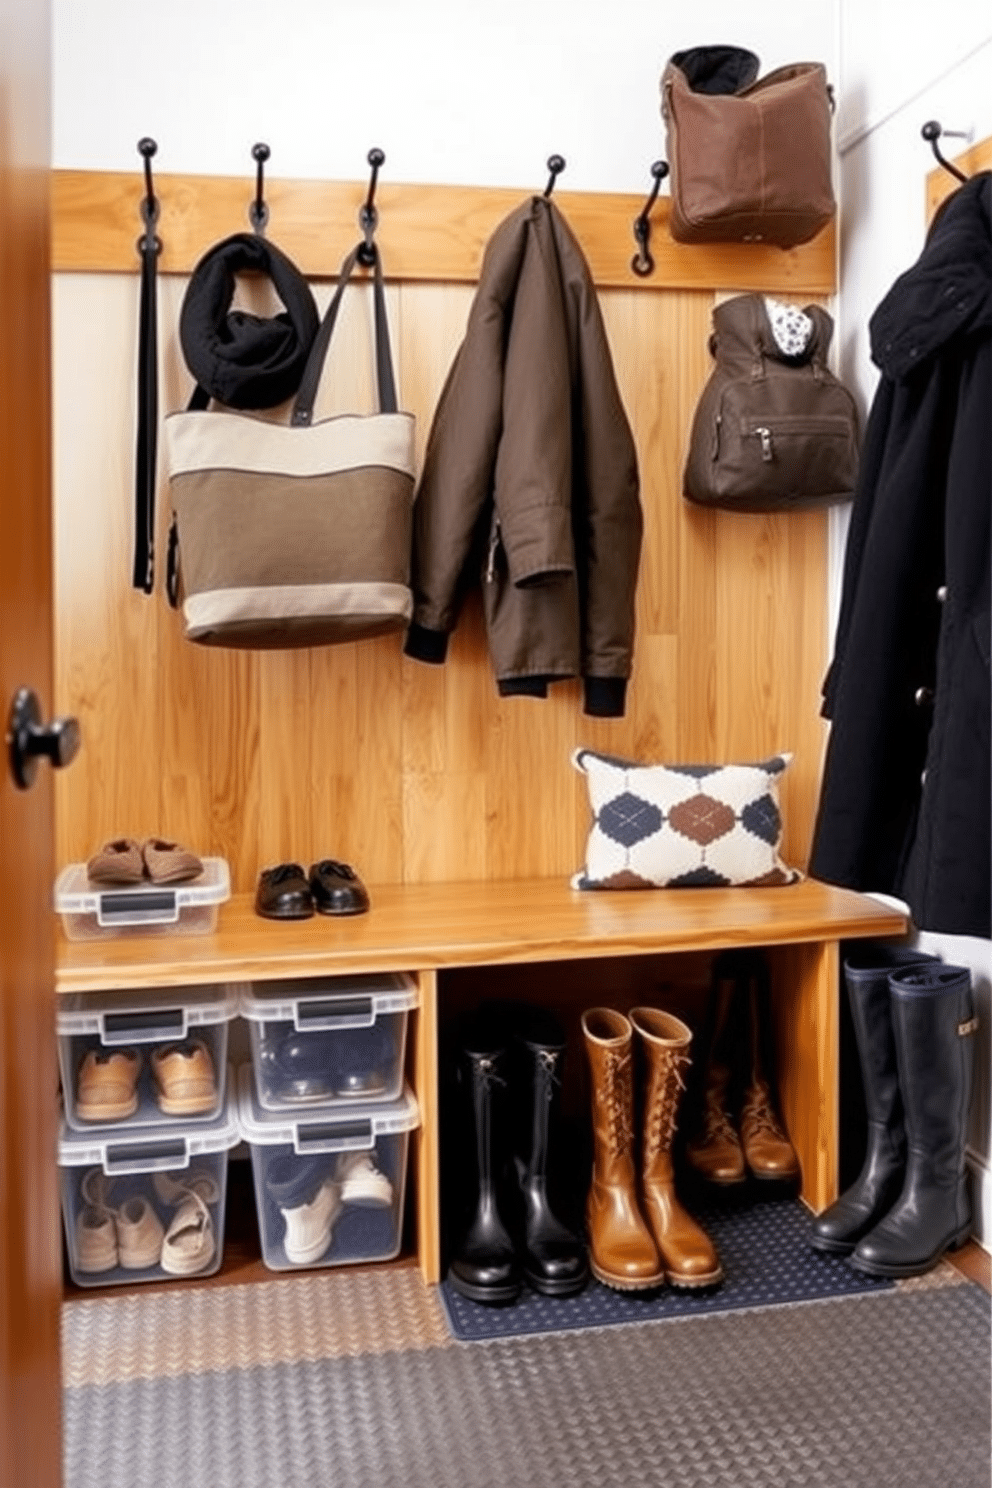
point(184, 1075)
point(117, 862)
point(168, 862)
point(106, 1086)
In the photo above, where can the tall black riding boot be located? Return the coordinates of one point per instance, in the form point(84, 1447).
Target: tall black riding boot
point(554, 1258)
point(866, 974)
point(933, 1019)
point(484, 1266)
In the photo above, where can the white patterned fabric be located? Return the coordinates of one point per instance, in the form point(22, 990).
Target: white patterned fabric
point(791, 327)
point(682, 826)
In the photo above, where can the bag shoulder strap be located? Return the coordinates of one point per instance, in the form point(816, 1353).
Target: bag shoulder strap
point(305, 398)
point(143, 569)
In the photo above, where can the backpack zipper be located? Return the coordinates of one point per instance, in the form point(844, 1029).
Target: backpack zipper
point(765, 435)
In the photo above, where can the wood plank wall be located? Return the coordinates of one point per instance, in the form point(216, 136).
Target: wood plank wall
point(411, 773)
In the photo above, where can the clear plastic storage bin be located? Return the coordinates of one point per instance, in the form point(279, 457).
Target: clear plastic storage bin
point(146, 1057)
point(328, 1041)
point(329, 1187)
point(142, 1206)
point(93, 912)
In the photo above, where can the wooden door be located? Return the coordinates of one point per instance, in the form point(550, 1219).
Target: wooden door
point(30, 1250)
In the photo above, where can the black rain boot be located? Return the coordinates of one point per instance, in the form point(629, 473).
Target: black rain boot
point(484, 1267)
point(554, 1258)
point(933, 1019)
point(866, 974)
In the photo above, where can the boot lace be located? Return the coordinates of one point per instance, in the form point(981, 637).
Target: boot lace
point(663, 1102)
point(758, 1116)
point(547, 1072)
point(617, 1099)
point(488, 1076)
point(717, 1125)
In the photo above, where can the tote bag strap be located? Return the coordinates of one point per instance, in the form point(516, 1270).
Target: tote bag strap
point(143, 568)
point(305, 398)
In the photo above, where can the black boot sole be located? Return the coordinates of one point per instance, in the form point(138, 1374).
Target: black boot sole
point(832, 1247)
point(488, 1296)
point(896, 1272)
point(569, 1288)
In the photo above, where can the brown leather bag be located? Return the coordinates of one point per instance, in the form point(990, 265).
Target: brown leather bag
point(772, 431)
point(749, 159)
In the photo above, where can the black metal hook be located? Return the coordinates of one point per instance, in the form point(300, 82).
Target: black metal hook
point(556, 164)
point(642, 263)
point(932, 132)
point(258, 212)
point(368, 217)
point(149, 206)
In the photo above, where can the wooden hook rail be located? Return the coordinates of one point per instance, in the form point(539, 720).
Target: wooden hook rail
point(426, 233)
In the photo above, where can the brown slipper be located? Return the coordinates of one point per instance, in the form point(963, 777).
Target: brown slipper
point(168, 862)
point(117, 862)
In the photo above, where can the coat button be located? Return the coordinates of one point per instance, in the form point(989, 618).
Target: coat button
point(942, 594)
point(923, 697)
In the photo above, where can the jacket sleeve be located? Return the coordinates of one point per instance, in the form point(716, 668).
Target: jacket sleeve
point(609, 522)
point(533, 485)
point(459, 463)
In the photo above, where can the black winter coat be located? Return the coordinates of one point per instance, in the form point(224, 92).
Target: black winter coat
point(905, 803)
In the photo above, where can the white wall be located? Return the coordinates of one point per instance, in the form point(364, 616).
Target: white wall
point(452, 92)
point(903, 62)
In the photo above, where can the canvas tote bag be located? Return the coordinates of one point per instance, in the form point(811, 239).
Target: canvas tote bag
point(299, 534)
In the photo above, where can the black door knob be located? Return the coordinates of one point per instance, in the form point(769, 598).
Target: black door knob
point(29, 740)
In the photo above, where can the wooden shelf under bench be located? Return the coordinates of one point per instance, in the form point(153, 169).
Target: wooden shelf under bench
point(427, 928)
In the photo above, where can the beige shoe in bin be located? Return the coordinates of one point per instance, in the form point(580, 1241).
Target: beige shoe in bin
point(308, 1226)
point(184, 1075)
point(139, 1235)
point(174, 1190)
point(189, 1245)
point(106, 1085)
point(362, 1183)
point(96, 1240)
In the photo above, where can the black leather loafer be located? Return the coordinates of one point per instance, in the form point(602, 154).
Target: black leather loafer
point(336, 889)
point(283, 893)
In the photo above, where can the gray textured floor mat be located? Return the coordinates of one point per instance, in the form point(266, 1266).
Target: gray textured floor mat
point(860, 1392)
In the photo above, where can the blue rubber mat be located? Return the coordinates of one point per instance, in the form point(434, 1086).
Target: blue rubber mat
point(767, 1260)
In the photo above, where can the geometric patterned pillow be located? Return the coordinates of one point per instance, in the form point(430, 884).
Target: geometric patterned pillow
point(682, 826)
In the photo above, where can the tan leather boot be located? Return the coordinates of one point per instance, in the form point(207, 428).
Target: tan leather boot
point(767, 1150)
point(714, 1148)
point(686, 1250)
point(622, 1252)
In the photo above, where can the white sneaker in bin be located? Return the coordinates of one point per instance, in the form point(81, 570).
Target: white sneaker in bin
point(362, 1183)
point(308, 1226)
point(189, 1245)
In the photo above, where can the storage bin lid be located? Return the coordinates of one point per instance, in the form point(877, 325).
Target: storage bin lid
point(330, 1130)
point(139, 904)
point(144, 1015)
point(148, 1150)
point(314, 1003)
